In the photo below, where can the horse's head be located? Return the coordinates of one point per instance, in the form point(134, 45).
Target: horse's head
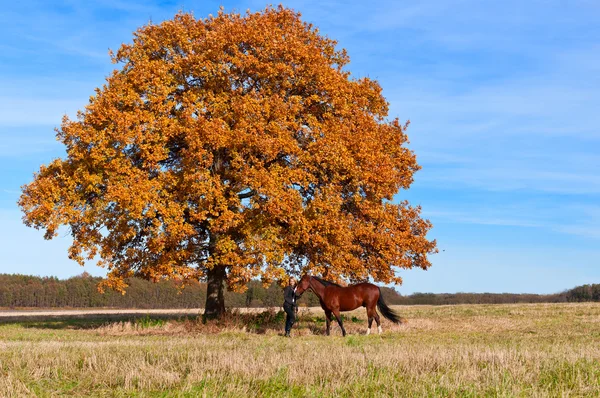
point(303, 285)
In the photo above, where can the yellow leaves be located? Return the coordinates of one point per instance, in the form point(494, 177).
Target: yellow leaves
point(235, 141)
point(114, 283)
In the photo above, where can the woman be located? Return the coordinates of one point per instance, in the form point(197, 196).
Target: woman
point(289, 305)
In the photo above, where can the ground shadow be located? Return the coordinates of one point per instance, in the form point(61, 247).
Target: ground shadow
point(266, 322)
point(94, 321)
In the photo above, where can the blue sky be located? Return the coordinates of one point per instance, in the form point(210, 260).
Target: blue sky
point(503, 99)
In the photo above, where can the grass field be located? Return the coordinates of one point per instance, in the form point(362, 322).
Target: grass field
point(465, 350)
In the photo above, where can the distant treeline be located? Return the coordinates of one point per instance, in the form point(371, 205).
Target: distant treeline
point(481, 298)
point(585, 293)
point(21, 291)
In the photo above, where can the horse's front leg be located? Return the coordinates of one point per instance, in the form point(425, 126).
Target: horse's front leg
point(338, 316)
point(328, 322)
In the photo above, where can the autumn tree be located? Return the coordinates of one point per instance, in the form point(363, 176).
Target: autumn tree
point(232, 148)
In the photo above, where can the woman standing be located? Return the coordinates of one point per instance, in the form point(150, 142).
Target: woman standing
point(289, 305)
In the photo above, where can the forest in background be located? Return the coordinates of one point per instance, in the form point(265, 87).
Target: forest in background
point(23, 291)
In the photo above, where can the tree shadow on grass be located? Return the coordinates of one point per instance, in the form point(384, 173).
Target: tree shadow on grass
point(90, 322)
point(261, 323)
point(255, 323)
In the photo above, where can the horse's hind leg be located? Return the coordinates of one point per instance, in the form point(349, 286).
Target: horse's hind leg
point(370, 317)
point(378, 320)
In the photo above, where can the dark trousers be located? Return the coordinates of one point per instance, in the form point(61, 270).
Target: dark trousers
point(290, 318)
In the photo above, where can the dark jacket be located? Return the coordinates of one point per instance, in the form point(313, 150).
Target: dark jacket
point(290, 296)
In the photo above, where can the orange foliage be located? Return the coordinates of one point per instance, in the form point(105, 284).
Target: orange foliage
point(236, 141)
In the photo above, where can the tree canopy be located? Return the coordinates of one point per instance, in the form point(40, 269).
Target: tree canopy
point(231, 148)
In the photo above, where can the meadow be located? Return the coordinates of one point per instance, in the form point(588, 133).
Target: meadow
point(461, 350)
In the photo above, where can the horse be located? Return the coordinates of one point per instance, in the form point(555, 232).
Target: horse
point(335, 299)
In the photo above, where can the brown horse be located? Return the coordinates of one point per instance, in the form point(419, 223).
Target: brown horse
point(335, 299)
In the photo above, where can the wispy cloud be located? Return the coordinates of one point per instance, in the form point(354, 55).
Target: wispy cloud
point(479, 219)
point(587, 231)
point(578, 220)
point(491, 178)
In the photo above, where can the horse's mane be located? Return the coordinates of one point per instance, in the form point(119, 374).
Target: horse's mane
point(326, 283)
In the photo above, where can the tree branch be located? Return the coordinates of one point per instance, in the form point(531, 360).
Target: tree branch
point(247, 195)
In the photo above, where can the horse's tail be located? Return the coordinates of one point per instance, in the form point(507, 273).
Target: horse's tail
point(387, 311)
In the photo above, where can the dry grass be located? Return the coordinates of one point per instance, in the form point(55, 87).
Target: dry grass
point(486, 350)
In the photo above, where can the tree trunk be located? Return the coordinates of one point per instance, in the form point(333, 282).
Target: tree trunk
point(215, 300)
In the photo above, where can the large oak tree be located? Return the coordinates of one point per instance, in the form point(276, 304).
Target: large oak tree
point(232, 148)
